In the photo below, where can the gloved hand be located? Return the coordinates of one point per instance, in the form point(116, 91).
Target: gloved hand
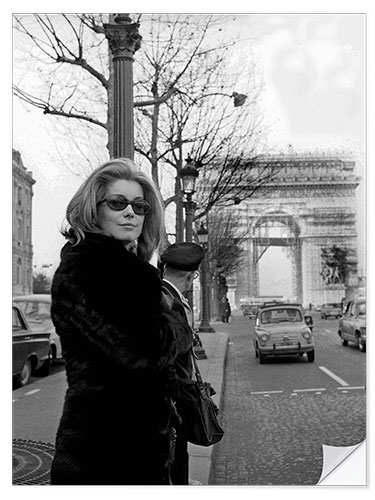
point(212, 391)
point(196, 340)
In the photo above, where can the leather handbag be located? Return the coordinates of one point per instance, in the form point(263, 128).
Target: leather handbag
point(203, 428)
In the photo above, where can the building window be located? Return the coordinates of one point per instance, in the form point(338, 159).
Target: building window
point(19, 195)
point(19, 271)
point(20, 229)
point(28, 278)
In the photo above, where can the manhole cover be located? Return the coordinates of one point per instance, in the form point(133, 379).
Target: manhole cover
point(31, 462)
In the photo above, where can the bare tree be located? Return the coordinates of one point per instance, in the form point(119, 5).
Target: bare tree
point(184, 85)
point(199, 117)
point(225, 252)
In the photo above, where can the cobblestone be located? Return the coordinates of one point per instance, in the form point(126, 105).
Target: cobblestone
point(277, 440)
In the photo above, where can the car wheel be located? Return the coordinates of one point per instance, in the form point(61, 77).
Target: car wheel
point(344, 342)
point(311, 356)
point(24, 377)
point(262, 358)
point(45, 368)
point(53, 353)
point(361, 346)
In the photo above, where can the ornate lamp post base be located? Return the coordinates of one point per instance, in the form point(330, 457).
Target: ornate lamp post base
point(206, 327)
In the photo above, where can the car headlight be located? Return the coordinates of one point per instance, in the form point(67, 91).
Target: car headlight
point(263, 336)
point(306, 334)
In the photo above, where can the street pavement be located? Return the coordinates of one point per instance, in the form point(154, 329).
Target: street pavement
point(34, 435)
point(279, 417)
point(212, 370)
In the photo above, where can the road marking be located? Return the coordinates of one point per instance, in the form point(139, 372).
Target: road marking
point(31, 392)
point(309, 390)
point(351, 388)
point(267, 392)
point(335, 377)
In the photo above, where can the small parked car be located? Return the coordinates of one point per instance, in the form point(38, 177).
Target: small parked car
point(31, 349)
point(283, 329)
point(250, 311)
point(352, 325)
point(330, 310)
point(37, 309)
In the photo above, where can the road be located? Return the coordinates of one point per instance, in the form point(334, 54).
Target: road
point(278, 415)
point(37, 407)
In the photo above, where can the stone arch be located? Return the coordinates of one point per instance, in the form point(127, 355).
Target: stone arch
point(314, 196)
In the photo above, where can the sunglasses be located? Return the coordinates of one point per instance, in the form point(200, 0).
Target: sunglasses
point(118, 202)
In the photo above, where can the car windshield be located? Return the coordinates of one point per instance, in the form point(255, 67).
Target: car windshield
point(362, 309)
point(280, 315)
point(36, 311)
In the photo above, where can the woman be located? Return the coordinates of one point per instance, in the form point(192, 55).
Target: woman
point(117, 338)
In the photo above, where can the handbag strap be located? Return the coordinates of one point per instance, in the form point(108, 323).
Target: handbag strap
point(198, 375)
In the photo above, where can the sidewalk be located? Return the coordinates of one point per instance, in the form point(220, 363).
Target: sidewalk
point(212, 370)
point(33, 438)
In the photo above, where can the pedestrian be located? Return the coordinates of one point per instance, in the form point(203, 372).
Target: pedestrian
point(117, 335)
point(180, 263)
point(228, 312)
point(225, 309)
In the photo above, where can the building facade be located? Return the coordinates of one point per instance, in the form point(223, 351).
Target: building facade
point(309, 208)
point(22, 249)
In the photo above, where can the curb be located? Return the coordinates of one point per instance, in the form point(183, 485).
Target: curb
point(215, 345)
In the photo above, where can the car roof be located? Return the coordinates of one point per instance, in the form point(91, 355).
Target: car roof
point(279, 304)
point(37, 297)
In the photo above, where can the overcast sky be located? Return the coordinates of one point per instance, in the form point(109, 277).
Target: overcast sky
point(313, 68)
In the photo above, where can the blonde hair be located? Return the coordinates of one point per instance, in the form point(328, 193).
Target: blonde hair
point(81, 213)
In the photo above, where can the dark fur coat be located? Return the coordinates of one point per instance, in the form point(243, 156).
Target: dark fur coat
point(119, 344)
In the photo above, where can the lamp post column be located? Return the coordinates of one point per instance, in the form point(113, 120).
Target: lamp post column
point(124, 40)
point(205, 319)
point(190, 207)
point(205, 314)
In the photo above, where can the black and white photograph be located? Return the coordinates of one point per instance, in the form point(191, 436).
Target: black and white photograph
point(190, 249)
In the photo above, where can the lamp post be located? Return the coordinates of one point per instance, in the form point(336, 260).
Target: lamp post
point(124, 40)
point(205, 320)
point(188, 175)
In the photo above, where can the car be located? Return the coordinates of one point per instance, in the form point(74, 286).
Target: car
point(250, 311)
point(31, 349)
point(37, 309)
point(283, 329)
point(330, 310)
point(352, 325)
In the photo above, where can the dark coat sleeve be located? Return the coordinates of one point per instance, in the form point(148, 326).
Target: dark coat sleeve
point(111, 300)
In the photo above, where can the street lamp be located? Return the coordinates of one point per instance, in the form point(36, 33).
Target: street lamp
point(205, 321)
point(238, 99)
point(188, 175)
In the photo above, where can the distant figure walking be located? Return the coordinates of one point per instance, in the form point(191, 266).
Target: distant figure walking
point(225, 310)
